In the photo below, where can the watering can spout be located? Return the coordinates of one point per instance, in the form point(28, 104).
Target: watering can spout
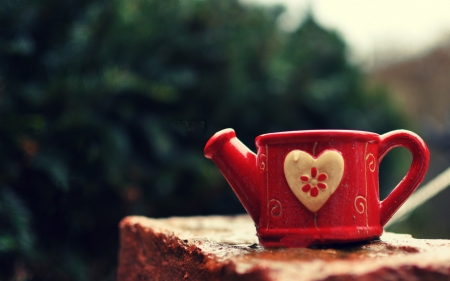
point(239, 166)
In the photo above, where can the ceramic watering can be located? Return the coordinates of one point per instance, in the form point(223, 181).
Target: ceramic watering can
point(306, 188)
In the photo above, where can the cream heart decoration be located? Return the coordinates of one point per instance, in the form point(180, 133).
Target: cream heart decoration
point(313, 180)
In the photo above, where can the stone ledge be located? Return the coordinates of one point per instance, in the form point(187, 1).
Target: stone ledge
point(225, 248)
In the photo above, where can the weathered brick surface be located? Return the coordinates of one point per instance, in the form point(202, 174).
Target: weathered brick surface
point(225, 248)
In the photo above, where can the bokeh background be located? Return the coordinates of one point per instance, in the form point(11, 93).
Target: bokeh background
point(105, 107)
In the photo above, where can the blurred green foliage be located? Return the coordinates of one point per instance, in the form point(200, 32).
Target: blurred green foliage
point(105, 107)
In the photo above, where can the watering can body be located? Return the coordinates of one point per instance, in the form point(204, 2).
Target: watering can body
point(291, 213)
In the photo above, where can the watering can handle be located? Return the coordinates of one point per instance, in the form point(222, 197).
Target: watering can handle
point(415, 174)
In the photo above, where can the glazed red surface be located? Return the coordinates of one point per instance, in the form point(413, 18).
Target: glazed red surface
point(352, 213)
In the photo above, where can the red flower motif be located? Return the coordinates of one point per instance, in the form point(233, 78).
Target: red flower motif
point(314, 183)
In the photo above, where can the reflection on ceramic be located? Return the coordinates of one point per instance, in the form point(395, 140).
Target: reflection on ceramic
point(306, 188)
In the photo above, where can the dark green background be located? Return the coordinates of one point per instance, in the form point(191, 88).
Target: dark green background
point(105, 107)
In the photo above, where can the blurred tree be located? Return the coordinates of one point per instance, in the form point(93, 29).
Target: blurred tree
point(105, 107)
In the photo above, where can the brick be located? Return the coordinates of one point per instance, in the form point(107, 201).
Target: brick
point(226, 248)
